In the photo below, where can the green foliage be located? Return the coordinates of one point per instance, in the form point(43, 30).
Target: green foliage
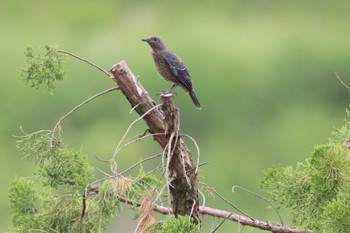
point(25, 202)
point(329, 170)
point(66, 214)
point(179, 224)
point(107, 202)
point(35, 207)
point(37, 146)
point(54, 199)
point(337, 212)
point(317, 192)
point(57, 163)
point(343, 133)
point(139, 186)
point(43, 69)
point(290, 188)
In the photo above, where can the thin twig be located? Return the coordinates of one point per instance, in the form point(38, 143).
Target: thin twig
point(203, 196)
point(182, 159)
point(220, 224)
point(145, 175)
point(159, 194)
point(342, 82)
point(76, 108)
point(101, 160)
point(84, 60)
point(153, 205)
point(197, 147)
point(230, 204)
point(192, 209)
point(199, 165)
point(84, 206)
point(177, 133)
point(245, 221)
point(138, 139)
point(142, 161)
point(98, 181)
point(167, 178)
point(182, 162)
point(146, 186)
point(133, 108)
point(126, 133)
point(103, 172)
point(261, 197)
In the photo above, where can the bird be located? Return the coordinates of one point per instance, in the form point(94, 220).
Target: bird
point(171, 68)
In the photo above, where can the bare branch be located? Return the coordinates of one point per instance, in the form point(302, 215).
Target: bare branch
point(84, 210)
point(140, 100)
point(261, 197)
point(76, 108)
point(126, 133)
point(230, 204)
point(342, 82)
point(164, 124)
point(136, 140)
point(168, 179)
point(249, 222)
point(221, 223)
point(243, 220)
point(197, 147)
point(142, 161)
point(84, 60)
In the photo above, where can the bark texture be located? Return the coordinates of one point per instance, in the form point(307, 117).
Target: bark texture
point(165, 124)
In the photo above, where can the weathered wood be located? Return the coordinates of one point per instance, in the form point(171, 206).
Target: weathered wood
point(164, 123)
point(139, 100)
point(182, 172)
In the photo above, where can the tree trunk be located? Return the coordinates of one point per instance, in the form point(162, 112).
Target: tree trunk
point(164, 123)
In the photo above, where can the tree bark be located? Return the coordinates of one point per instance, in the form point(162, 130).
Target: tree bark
point(164, 123)
point(182, 172)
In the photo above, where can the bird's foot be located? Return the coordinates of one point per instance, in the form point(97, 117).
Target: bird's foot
point(167, 92)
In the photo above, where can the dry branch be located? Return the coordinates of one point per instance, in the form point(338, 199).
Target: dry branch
point(182, 172)
point(246, 221)
point(243, 220)
point(139, 100)
point(164, 125)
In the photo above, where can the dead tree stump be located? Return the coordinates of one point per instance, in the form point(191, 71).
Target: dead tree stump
point(164, 122)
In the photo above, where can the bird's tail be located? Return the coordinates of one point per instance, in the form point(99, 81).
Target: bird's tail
point(195, 100)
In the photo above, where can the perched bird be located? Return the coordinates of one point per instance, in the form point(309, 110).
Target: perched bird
point(171, 68)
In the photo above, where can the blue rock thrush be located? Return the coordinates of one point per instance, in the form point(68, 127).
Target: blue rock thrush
point(171, 68)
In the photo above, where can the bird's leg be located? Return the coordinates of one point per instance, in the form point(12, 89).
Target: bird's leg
point(172, 88)
point(170, 91)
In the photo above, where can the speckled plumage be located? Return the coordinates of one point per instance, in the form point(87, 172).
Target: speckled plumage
point(171, 68)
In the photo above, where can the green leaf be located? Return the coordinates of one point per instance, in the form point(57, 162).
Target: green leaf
point(43, 69)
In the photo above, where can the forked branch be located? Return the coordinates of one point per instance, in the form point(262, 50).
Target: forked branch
point(164, 126)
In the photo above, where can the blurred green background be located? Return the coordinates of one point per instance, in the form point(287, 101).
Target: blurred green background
point(263, 72)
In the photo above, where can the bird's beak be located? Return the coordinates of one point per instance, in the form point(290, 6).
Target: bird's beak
point(145, 40)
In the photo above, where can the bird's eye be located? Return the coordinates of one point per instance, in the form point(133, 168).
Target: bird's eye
point(155, 39)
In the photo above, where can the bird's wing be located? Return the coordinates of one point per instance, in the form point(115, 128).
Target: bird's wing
point(179, 69)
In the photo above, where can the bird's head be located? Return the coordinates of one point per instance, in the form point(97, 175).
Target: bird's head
point(155, 42)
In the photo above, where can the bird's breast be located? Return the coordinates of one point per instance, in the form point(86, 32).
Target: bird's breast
point(163, 68)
